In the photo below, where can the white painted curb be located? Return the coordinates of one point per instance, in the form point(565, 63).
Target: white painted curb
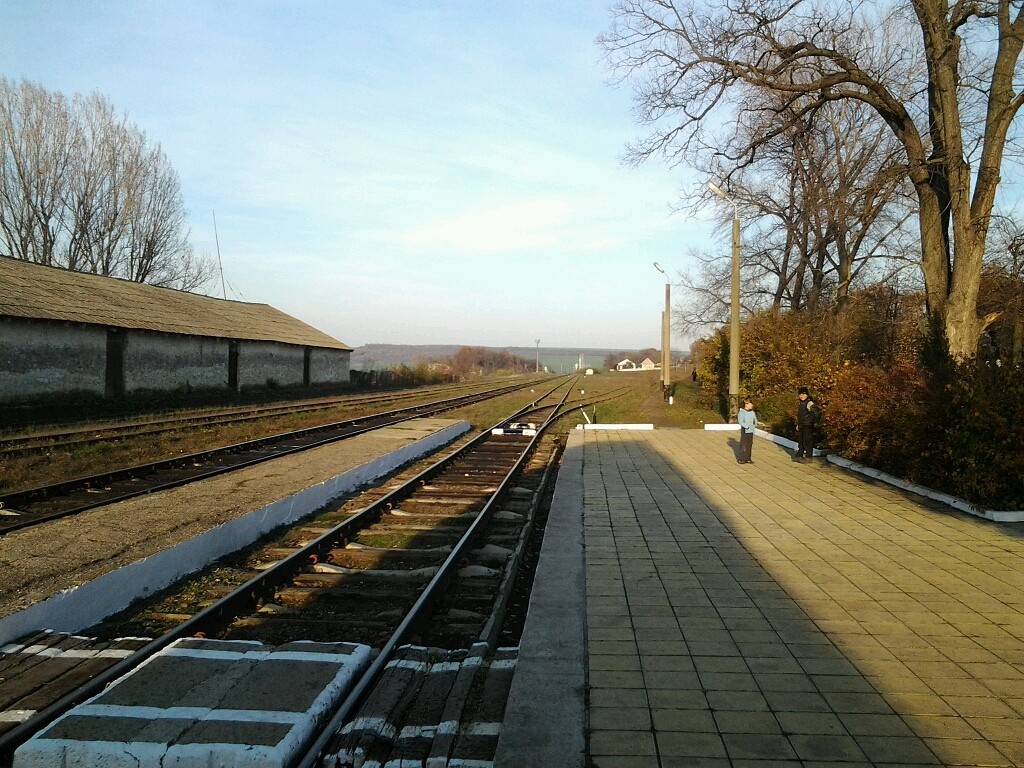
point(588, 427)
point(79, 607)
point(996, 516)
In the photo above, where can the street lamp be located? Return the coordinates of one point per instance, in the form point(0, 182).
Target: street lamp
point(734, 329)
point(666, 333)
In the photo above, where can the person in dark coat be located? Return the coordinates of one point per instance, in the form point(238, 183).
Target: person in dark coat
point(807, 416)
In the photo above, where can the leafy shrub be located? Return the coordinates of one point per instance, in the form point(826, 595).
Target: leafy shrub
point(781, 352)
point(875, 415)
point(972, 447)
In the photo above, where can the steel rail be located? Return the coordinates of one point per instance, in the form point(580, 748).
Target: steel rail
point(425, 602)
point(12, 501)
point(99, 431)
point(242, 598)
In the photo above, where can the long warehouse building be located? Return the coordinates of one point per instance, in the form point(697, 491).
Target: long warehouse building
point(66, 334)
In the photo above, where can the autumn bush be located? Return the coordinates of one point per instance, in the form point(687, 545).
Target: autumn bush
point(875, 416)
point(971, 446)
point(889, 403)
point(779, 352)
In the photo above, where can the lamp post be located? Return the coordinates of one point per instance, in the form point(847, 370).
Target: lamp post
point(666, 333)
point(538, 357)
point(734, 323)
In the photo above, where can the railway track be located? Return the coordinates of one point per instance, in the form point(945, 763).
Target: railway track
point(50, 440)
point(433, 560)
point(39, 505)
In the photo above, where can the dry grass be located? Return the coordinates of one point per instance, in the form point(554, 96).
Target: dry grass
point(635, 398)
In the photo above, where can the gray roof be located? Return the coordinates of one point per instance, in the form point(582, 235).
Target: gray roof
point(38, 292)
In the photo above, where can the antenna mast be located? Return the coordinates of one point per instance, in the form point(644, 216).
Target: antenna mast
point(220, 264)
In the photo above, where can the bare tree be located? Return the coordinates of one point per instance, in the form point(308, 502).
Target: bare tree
point(83, 188)
point(1003, 288)
point(36, 137)
point(687, 58)
point(819, 201)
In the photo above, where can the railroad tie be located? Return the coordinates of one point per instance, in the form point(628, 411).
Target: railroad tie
point(478, 740)
point(372, 733)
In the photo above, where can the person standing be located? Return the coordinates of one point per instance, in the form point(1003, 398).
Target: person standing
point(807, 415)
point(747, 419)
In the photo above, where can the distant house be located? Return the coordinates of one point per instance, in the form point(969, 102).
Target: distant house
point(649, 365)
point(625, 365)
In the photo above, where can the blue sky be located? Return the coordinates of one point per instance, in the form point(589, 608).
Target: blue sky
point(396, 172)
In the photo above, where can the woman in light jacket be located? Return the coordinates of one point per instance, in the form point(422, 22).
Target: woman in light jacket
point(748, 423)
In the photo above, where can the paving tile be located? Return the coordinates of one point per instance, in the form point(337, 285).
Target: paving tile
point(750, 701)
point(775, 682)
point(705, 664)
point(697, 720)
point(671, 680)
point(979, 706)
point(810, 723)
point(690, 744)
point(677, 699)
point(667, 663)
point(998, 729)
point(753, 746)
point(663, 648)
point(919, 704)
point(943, 726)
point(967, 752)
point(1013, 750)
point(613, 663)
point(618, 697)
point(797, 701)
point(605, 647)
point(619, 742)
point(838, 748)
point(776, 665)
point(615, 679)
point(733, 721)
point(620, 719)
point(875, 725)
point(897, 750)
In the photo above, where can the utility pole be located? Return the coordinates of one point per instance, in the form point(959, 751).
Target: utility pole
point(538, 357)
point(666, 334)
point(734, 313)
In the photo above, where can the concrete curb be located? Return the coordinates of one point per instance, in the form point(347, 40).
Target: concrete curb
point(995, 515)
point(615, 426)
point(545, 717)
point(75, 609)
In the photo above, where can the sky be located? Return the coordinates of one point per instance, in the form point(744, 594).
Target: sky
point(400, 172)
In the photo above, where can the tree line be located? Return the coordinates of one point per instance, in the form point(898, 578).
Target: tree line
point(83, 188)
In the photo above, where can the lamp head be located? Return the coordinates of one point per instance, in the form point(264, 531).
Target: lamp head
point(658, 267)
point(718, 191)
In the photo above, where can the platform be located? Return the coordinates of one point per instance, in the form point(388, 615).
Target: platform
point(772, 614)
point(204, 702)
